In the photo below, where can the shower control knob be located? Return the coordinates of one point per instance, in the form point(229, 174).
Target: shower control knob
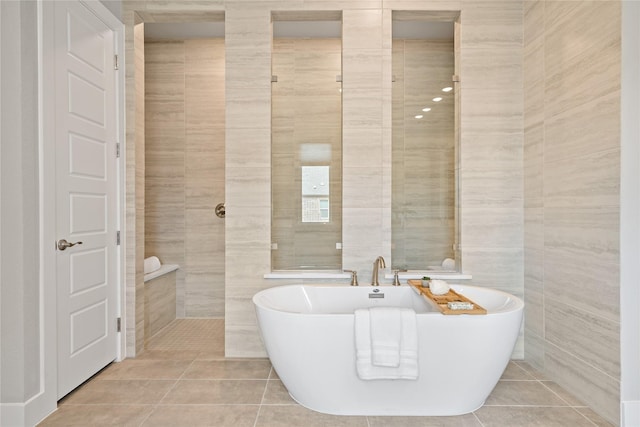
point(220, 210)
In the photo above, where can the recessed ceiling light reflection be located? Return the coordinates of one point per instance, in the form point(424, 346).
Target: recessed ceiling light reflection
point(437, 99)
point(419, 116)
point(447, 89)
point(426, 109)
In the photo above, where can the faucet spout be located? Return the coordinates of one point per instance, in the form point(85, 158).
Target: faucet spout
point(377, 265)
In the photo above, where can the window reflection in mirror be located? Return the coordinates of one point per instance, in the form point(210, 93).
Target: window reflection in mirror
point(306, 142)
point(423, 144)
point(315, 194)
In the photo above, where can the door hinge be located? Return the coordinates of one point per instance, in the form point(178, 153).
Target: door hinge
point(119, 324)
point(115, 62)
point(118, 238)
point(118, 150)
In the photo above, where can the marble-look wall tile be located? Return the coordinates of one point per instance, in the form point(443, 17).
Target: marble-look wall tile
point(533, 75)
point(480, 72)
point(495, 267)
point(571, 169)
point(534, 349)
point(247, 29)
point(362, 29)
point(255, 182)
point(164, 155)
point(533, 82)
point(491, 24)
point(160, 303)
point(534, 310)
point(584, 381)
point(423, 5)
point(135, 186)
point(587, 128)
point(595, 339)
point(247, 186)
point(590, 179)
point(491, 227)
point(581, 258)
point(361, 88)
point(533, 166)
point(572, 77)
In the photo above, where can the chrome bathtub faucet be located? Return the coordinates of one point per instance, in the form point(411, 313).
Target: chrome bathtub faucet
point(377, 265)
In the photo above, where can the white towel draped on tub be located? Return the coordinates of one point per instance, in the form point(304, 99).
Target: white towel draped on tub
point(386, 341)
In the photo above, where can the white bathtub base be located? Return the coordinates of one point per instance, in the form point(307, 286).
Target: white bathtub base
point(309, 337)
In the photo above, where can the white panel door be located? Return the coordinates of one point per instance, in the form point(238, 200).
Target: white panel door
point(86, 194)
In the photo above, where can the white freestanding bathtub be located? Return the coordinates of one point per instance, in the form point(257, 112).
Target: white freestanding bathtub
point(308, 331)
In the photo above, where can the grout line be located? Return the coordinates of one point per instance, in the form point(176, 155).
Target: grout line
point(585, 417)
point(574, 407)
point(478, 418)
point(264, 393)
point(552, 391)
point(157, 404)
point(532, 406)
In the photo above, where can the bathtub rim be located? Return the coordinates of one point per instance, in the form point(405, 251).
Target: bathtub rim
point(519, 302)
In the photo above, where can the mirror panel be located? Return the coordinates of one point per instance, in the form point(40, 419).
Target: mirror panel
point(306, 144)
point(423, 145)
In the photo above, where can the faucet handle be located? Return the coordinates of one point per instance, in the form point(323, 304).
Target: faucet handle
point(354, 277)
point(396, 279)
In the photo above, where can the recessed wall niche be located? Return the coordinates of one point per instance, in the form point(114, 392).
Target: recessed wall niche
point(424, 140)
point(306, 141)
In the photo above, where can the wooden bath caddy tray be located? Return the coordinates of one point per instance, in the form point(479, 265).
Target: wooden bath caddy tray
point(442, 300)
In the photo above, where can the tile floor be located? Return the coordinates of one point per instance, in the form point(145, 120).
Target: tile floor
point(183, 379)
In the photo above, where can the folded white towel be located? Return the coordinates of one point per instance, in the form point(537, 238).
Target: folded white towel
point(151, 264)
point(407, 367)
point(386, 334)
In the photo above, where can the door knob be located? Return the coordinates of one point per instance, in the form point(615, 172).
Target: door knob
point(63, 244)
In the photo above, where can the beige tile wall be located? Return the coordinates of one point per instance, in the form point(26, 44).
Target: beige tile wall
point(572, 163)
point(160, 303)
point(165, 157)
point(135, 214)
point(490, 173)
point(184, 178)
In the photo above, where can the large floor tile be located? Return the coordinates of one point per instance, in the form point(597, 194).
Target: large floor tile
point(276, 394)
point(134, 369)
point(515, 372)
point(296, 415)
point(531, 370)
point(533, 416)
point(595, 418)
point(563, 394)
point(98, 415)
point(195, 385)
point(149, 354)
point(229, 369)
point(216, 392)
point(523, 393)
point(203, 415)
point(468, 420)
point(120, 392)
